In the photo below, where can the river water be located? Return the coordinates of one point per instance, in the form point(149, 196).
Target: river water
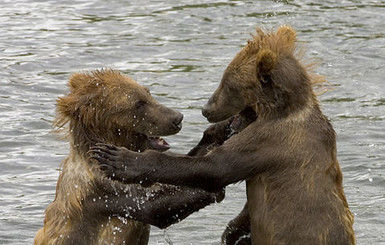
point(180, 48)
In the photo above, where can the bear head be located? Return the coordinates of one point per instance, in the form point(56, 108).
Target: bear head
point(264, 75)
point(106, 106)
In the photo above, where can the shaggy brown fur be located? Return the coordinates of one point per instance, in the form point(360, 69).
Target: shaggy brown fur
point(287, 156)
point(105, 106)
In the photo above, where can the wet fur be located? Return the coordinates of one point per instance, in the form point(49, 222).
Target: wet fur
point(102, 106)
point(287, 157)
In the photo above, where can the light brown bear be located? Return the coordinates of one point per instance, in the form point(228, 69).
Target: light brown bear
point(287, 156)
point(106, 106)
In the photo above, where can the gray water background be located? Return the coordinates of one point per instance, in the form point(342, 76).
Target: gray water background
point(180, 50)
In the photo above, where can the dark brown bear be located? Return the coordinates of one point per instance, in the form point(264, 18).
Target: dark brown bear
point(105, 106)
point(287, 156)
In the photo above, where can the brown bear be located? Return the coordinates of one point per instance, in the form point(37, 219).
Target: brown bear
point(287, 156)
point(106, 106)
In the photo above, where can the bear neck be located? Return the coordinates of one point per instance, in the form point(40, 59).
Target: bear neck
point(83, 137)
point(287, 105)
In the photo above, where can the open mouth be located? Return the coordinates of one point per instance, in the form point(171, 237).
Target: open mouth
point(158, 143)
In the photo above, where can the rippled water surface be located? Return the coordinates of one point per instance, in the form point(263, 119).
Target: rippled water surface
point(180, 50)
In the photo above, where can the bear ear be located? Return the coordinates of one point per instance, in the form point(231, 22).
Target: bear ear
point(77, 80)
point(66, 106)
point(266, 62)
point(288, 34)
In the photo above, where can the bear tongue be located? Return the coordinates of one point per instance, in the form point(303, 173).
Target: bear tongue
point(159, 144)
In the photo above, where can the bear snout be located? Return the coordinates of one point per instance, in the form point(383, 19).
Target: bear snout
point(177, 121)
point(206, 110)
point(210, 114)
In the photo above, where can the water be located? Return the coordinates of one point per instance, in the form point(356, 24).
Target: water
point(180, 50)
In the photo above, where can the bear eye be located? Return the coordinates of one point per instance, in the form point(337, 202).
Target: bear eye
point(140, 103)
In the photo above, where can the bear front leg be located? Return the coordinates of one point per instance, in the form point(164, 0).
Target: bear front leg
point(159, 205)
point(115, 161)
point(238, 231)
point(224, 165)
